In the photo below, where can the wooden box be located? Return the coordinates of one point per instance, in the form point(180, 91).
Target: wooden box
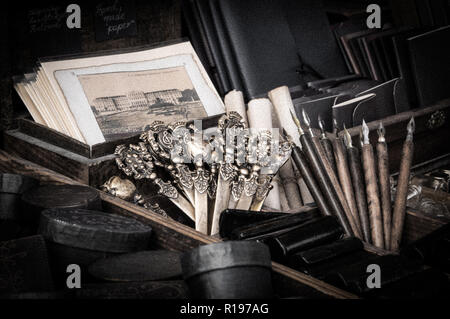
point(90, 165)
point(31, 150)
point(172, 235)
point(431, 151)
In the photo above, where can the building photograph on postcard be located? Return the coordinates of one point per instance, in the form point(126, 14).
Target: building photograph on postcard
point(126, 103)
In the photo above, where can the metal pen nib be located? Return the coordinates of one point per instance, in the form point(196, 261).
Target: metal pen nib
point(365, 133)
point(410, 128)
point(321, 126)
point(297, 123)
point(335, 128)
point(381, 133)
point(347, 138)
point(307, 121)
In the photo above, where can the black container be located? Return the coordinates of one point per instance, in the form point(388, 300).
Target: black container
point(228, 270)
point(258, 229)
point(78, 236)
point(311, 234)
point(354, 277)
point(327, 252)
point(58, 196)
point(230, 219)
point(322, 269)
point(24, 266)
point(428, 284)
point(61, 256)
point(12, 187)
point(146, 265)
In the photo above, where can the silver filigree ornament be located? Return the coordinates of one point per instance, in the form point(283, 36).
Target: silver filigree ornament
point(136, 161)
point(264, 187)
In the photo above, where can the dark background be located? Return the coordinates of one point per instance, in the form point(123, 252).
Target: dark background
point(156, 20)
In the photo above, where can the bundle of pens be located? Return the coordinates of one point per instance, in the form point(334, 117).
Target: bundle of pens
point(204, 172)
point(351, 184)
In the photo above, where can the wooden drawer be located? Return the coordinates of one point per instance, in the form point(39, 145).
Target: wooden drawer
point(172, 235)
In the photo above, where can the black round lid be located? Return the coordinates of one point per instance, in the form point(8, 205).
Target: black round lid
point(225, 255)
point(94, 230)
point(62, 196)
point(140, 266)
point(16, 184)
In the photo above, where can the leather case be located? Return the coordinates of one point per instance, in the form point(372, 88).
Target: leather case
point(308, 22)
point(230, 219)
point(274, 43)
point(430, 67)
point(322, 269)
point(349, 90)
point(403, 63)
point(354, 277)
point(198, 40)
point(321, 106)
point(311, 234)
point(327, 252)
point(332, 82)
point(255, 230)
point(213, 42)
point(262, 44)
point(225, 46)
point(343, 112)
point(381, 106)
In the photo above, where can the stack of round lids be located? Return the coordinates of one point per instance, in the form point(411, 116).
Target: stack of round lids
point(94, 230)
point(59, 196)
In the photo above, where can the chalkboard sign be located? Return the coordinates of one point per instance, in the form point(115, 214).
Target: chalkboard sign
point(46, 19)
point(115, 19)
point(48, 32)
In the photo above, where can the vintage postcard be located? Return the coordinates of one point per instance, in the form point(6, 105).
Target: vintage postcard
point(126, 103)
point(120, 98)
point(166, 75)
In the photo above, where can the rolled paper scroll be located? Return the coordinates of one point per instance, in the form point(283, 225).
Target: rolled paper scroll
point(282, 104)
point(234, 101)
point(260, 117)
